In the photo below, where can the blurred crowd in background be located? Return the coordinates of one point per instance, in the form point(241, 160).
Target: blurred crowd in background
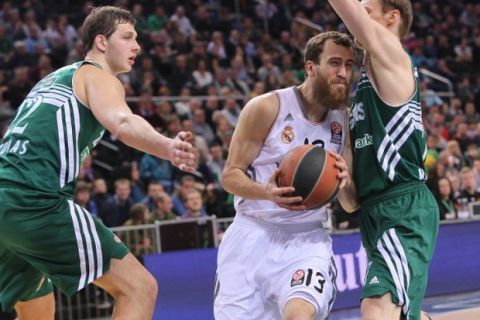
point(202, 60)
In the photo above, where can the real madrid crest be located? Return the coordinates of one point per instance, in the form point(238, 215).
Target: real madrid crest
point(287, 135)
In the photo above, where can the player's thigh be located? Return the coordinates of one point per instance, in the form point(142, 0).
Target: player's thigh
point(18, 280)
point(309, 273)
point(63, 241)
point(238, 293)
point(127, 276)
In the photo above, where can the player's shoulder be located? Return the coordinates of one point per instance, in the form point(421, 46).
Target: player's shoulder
point(264, 103)
point(94, 74)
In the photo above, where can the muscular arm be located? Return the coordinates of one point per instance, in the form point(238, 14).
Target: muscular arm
point(391, 68)
point(105, 96)
point(347, 197)
point(252, 128)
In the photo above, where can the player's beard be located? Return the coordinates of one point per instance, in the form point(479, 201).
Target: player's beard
point(331, 97)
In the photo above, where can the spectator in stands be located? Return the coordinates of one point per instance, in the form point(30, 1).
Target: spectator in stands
point(33, 39)
point(461, 138)
point(86, 172)
point(471, 115)
point(138, 241)
point(153, 168)
point(469, 190)
point(116, 209)
point(429, 97)
point(269, 68)
point(198, 141)
point(18, 87)
point(231, 111)
point(99, 192)
point(145, 106)
point(201, 127)
point(163, 208)
point(181, 74)
point(202, 77)
point(82, 198)
point(139, 214)
point(182, 21)
point(446, 200)
point(471, 155)
point(216, 49)
point(187, 182)
point(157, 20)
point(193, 204)
point(154, 189)
point(138, 187)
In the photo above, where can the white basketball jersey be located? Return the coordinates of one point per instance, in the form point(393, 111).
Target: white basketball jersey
point(291, 129)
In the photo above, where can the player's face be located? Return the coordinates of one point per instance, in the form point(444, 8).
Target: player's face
point(333, 75)
point(122, 48)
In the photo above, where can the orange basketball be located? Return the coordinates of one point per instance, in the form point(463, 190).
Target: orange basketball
point(312, 172)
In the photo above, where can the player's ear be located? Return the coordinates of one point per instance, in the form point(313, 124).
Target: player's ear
point(310, 68)
point(101, 42)
point(392, 16)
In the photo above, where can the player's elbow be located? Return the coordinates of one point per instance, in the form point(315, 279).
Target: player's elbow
point(121, 125)
point(227, 178)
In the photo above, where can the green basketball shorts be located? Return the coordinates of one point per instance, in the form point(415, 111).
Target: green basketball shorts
point(399, 229)
point(48, 239)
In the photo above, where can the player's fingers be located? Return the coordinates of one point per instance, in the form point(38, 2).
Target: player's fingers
point(280, 191)
point(186, 155)
point(344, 179)
point(184, 135)
point(289, 200)
point(186, 168)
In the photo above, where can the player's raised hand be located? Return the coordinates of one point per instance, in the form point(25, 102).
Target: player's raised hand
point(181, 152)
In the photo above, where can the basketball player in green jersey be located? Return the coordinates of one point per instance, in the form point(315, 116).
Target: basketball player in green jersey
point(399, 216)
point(45, 238)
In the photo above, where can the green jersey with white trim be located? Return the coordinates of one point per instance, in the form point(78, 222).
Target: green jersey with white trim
point(50, 136)
point(389, 142)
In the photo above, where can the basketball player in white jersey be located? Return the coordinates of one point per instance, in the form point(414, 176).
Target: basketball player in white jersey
point(275, 261)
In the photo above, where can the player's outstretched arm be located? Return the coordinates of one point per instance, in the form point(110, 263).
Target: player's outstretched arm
point(370, 34)
point(347, 196)
point(255, 121)
point(391, 67)
point(106, 99)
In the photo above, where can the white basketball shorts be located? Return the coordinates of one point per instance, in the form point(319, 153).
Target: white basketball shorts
point(261, 266)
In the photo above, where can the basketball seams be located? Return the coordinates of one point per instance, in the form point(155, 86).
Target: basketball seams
point(319, 178)
point(333, 193)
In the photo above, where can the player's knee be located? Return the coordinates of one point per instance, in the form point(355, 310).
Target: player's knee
point(146, 286)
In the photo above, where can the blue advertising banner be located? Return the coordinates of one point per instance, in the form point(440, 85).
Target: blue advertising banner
point(186, 278)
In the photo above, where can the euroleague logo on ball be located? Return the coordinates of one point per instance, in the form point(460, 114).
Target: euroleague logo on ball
point(336, 131)
point(287, 135)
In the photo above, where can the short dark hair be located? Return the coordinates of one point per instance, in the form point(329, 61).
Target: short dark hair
point(103, 21)
point(316, 44)
point(406, 13)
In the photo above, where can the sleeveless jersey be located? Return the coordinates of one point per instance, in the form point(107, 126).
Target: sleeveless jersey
point(289, 130)
point(50, 136)
point(389, 143)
